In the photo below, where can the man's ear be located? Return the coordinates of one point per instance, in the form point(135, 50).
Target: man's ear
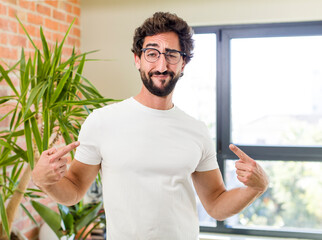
point(183, 66)
point(137, 61)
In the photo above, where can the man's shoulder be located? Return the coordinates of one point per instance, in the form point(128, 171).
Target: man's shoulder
point(112, 108)
point(189, 119)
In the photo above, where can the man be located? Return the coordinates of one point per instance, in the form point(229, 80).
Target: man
point(150, 152)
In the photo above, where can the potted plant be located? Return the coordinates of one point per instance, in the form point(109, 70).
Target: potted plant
point(52, 100)
point(74, 222)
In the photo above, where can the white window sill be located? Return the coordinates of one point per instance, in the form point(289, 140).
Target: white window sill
point(218, 236)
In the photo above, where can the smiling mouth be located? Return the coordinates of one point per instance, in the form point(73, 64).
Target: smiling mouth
point(158, 74)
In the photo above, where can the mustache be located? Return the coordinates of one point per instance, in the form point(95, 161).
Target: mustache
point(157, 73)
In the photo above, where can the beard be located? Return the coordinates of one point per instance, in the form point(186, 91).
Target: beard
point(166, 89)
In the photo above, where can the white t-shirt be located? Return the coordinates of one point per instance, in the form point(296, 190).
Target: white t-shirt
point(147, 157)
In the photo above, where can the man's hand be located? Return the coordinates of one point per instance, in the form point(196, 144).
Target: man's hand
point(249, 172)
point(52, 165)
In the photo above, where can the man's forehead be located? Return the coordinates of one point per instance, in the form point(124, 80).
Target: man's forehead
point(162, 40)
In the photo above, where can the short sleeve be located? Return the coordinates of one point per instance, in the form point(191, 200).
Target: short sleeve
point(88, 151)
point(208, 160)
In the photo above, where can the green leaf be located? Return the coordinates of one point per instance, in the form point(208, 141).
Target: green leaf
point(44, 44)
point(29, 214)
point(24, 29)
point(33, 94)
point(28, 138)
point(9, 82)
point(13, 134)
point(22, 68)
point(86, 219)
point(36, 133)
point(50, 217)
point(67, 218)
point(83, 102)
point(79, 70)
point(15, 175)
point(4, 217)
point(46, 130)
point(60, 86)
point(68, 30)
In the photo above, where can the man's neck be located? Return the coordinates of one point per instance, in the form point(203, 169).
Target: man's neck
point(152, 101)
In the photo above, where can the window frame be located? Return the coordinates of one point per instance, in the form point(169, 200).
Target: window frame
point(223, 112)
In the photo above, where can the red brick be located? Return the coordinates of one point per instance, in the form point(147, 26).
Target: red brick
point(73, 41)
point(8, 107)
point(9, 53)
point(43, 9)
point(17, 40)
point(35, 19)
point(4, 123)
point(3, 91)
point(59, 15)
point(27, 5)
point(71, 18)
point(52, 3)
point(3, 38)
point(51, 24)
point(57, 37)
point(68, 8)
point(32, 30)
point(74, 1)
point(10, 1)
point(67, 51)
point(63, 28)
point(22, 15)
point(76, 31)
point(13, 26)
point(32, 234)
point(3, 9)
point(47, 34)
point(8, 25)
point(12, 12)
point(77, 11)
point(4, 24)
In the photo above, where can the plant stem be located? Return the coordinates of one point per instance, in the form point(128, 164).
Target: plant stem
point(16, 198)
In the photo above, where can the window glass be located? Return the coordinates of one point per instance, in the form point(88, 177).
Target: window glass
point(195, 94)
point(276, 91)
point(293, 201)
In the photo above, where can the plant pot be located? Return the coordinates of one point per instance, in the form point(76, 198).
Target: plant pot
point(46, 233)
point(86, 231)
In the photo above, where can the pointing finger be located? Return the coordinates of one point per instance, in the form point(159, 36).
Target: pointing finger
point(243, 156)
point(63, 151)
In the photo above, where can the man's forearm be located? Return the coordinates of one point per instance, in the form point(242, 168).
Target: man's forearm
point(232, 202)
point(64, 192)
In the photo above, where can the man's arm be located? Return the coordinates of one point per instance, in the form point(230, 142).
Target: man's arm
point(66, 187)
point(220, 203)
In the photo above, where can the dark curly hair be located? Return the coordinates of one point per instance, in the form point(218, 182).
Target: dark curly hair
point(162, 22)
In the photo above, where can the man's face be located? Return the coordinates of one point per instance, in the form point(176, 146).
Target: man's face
point(160, 77)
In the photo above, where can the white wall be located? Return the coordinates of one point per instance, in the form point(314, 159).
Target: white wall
point(108, 25)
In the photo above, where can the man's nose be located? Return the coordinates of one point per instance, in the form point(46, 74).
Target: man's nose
point(161, 63)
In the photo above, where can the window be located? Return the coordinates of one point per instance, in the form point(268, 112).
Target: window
point(260, 87)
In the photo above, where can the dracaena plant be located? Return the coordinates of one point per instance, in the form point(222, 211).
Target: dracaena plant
point(51, 100)
point(76, 221)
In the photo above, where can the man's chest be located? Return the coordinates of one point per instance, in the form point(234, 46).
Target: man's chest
point(166, 149)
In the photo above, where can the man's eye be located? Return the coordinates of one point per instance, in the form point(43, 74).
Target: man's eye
point(172, 54)
point(152, 54)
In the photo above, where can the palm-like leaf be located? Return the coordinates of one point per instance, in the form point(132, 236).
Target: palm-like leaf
point(46, 105)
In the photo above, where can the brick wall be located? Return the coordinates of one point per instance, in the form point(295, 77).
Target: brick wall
point(55, 18)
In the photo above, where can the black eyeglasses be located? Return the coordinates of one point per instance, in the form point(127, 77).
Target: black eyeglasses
point(172, 56)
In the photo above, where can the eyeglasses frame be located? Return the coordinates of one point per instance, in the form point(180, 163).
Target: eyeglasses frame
point(182, 54)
